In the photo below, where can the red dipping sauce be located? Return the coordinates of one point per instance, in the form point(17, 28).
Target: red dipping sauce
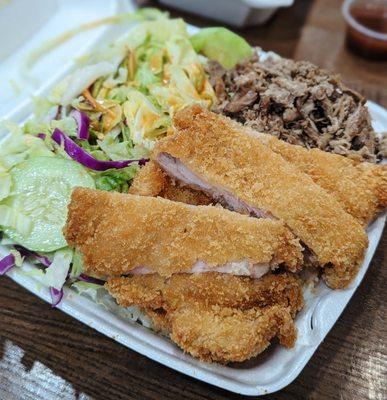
point(367, 28)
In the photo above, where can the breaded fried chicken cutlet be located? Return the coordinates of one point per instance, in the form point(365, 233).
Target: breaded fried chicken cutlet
point(152, 181)
point(209, 153)
point(360, 187)
point(122, 233)
point(213, 316)
point(152, 291)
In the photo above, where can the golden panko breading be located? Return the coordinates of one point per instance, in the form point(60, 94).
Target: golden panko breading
point(242, 168)
point(149, 181)
point(224, 334)
point(153, 291)
point(360, 187)
point(152, 181)
point(117, 233)
point(216, 317)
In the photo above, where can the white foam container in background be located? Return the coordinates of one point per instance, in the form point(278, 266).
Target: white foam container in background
point(268, 372)
point(238, 13)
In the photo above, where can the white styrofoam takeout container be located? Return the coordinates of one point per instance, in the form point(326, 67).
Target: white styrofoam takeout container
point(238, 13)
point(268, 372)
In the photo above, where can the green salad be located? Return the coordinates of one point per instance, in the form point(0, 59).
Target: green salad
point(95, 129)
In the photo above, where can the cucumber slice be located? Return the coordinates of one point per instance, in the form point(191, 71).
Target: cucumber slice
point(41, 190)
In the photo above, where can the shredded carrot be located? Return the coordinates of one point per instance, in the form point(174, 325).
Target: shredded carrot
point(99, 107)
point(132, 64)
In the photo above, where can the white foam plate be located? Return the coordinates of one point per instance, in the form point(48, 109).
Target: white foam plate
point(267, 373)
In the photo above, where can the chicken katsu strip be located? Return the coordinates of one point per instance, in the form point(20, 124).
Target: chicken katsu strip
point(149, 181)
point(121, 233)
point(360, 187)
point(224, 334)
point(152, 181)
point(208, 153)
point(156, 292)
point(216, 317)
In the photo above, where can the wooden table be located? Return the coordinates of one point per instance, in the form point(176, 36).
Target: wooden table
point(44, 354)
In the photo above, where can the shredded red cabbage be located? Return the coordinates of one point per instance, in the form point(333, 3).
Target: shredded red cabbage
point(56, 296)
point(90, 279)
point(7, 263)
point(78, 154)
point(41, 136)
point(82, 121)
point(28, 253)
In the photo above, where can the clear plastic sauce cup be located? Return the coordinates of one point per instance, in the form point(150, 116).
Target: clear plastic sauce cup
point(367, 28)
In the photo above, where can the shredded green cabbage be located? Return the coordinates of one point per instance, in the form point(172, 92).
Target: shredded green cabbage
point(18, 146)
point(55, 275)
point(77, 265)
point(146, 121)
point(66, 124)
point(102, 297)
point(138, 82)
point(116, 179)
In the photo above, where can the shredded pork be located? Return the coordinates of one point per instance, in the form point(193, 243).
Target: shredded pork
point(298, 102)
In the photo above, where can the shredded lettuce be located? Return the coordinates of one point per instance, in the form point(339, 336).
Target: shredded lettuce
point(115, 148)
point(102, 297)
point(77, 264)
point(83, 78)
point(121, 78)
point(55, 275)
point(17, 146)
point(114, 179)
point(66, 124)
point(139, 81)
point(145, 121)
point(43, 108)
point(88, 288)
point(18, 257)
point(34, 126)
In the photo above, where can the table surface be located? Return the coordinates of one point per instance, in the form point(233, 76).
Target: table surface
point(45, 354)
